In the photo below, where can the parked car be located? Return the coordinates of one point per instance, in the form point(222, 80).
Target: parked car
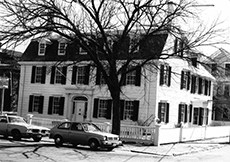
point(83, 133)
point(17, 127)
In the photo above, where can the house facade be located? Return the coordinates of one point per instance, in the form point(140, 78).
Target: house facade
point(54, 86)
point(219, 67)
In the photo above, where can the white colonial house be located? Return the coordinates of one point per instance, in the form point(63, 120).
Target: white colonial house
point(174, 91)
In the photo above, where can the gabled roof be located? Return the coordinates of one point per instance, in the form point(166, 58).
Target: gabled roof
point(220, 54)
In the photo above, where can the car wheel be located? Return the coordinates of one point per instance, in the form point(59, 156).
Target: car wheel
point(58, 141)
point(93, 144)
point(16, 135)
point(110, 148)
point(37, 139)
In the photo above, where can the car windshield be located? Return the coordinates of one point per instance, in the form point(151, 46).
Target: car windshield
point(90, 127)
point(14, 119)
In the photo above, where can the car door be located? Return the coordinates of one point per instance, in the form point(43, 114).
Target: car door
point(3, 125)
point(77, 135)
point(63, 130)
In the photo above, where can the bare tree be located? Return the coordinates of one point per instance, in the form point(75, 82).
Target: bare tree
point(94, 24)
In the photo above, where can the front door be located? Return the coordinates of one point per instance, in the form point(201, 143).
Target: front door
point(78, 111)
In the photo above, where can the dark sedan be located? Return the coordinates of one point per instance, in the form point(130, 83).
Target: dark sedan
point(83, 133)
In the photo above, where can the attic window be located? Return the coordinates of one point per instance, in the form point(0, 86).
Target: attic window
point(42, 49)
point(62, 48)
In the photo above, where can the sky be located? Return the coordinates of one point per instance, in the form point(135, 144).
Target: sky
point(220, 12)
point(207, 14)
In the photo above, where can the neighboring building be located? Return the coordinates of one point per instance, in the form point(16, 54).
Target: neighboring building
point(219, 66)
point(51, 86)
point(9, 78)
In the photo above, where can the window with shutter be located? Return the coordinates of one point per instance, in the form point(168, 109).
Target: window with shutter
point(165, 75)
point(80, 75)
point(56, 105)
point(38, 74)
point(36, 103)
point(182, 113)
point(163, 112)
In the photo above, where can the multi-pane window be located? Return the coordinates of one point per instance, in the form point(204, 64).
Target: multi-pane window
point(36, 103)
point(128, 110)
point(62, 48)
point(80, 75)
point(58, 75)
point(165, 75)
point(131, 78)
point(56, 105)
point(163, 112)
point(102, 108)
point(182, 113)
point(42, 49)
point(38, 74)
point(185, 80)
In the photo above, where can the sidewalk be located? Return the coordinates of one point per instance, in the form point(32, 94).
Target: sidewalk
point(178, 148)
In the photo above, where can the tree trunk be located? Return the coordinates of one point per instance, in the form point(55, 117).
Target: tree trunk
point(116, 123)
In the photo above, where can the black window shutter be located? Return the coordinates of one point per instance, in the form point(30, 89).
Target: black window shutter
point(186, 114)
point(41, 100)
point(33, 74)
point(74, 75)
point(175, 45)
point(209, 87)
point(159, 111)
point(192, 84)
point(169, 77)
point(167, 113)
point(52, 74)
point(190, 113)
point(179, 113)
point(63, 78)
point(109, 108)
point(31, 103)
point(188, 81)
point(95, 107)
point(61, 108)
point(43, 74)
point(162, 75)
point(122, 104)
point(50, 108)
point(138, 76)
point(135, 110)
point(182, 80)
point(87, 71)
point(98, 77)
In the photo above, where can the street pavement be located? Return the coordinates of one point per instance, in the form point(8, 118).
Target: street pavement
point(176, 149)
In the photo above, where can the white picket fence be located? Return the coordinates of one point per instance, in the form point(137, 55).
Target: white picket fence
point(153, 135)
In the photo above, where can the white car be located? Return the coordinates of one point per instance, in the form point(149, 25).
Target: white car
point(17, 127)
point(83, 133)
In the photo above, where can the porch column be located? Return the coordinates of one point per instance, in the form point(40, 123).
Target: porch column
point(156, 140)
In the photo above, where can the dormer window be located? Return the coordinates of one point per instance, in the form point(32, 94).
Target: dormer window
point(82, 51)
point(62, 48)
point(42, 49)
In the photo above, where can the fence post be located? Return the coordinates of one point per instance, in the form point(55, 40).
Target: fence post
point(107, 129)
point(29, 118)
point(181, 132)
point(156, 140)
